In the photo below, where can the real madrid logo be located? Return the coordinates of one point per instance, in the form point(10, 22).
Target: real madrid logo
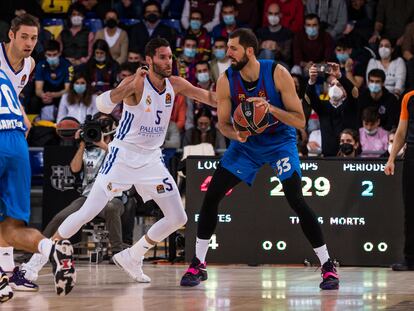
point(23, 80)
point(167, 99)
point(148, 102)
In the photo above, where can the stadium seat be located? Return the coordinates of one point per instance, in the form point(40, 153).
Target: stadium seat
point(174, 23)
point(93, 24)
point(55, 6)
point(53, 25)
point(127, 22)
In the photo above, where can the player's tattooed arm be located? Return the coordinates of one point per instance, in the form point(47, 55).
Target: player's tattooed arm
point(185, 88)
point(293, 115)
point(225, 124)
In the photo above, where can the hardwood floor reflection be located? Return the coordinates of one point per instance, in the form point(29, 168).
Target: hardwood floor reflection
point(105, 287)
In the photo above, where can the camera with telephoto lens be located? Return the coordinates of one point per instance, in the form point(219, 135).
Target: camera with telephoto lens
point(91, 130)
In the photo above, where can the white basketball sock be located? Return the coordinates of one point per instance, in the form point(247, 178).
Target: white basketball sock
point(6, 259)
point(322, 253)
point(140, 248)
point(45, 247)
point(201, 249)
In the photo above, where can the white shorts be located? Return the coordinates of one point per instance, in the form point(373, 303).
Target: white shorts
point(126, 165)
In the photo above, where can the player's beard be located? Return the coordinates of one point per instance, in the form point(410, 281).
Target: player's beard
point(241, 63)
point(157, 70)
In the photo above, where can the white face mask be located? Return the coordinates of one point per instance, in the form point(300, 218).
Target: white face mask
point(273, 20)
point(76, 20)
point(400, 153)
point(336, 95)
point(384, 52)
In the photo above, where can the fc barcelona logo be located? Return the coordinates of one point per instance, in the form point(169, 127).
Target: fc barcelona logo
point(23, 80)
point(168, 99)
point(262, 94)
point(242, 97)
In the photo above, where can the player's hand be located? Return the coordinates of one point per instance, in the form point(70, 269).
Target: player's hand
point(141, 72)
point(259, 102)
point(242, 136)
point(389, 168)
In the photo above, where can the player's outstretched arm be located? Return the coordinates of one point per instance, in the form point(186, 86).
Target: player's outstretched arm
point(107, 101)
point(225, 124)
point(293, 115)
point(185, 88)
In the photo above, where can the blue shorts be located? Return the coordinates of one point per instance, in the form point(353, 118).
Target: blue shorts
point(15, 176)
point(244, 163)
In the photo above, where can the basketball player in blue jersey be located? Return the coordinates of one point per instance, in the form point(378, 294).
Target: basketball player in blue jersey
point(15, 170)
point(264, 83)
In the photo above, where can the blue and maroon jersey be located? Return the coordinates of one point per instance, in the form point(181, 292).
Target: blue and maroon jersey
point(277, 133)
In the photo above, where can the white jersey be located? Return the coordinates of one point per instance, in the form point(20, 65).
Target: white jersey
point(20, 78)
point(145, 125)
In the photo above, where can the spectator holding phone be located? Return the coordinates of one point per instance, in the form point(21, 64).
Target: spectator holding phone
point(338, 110)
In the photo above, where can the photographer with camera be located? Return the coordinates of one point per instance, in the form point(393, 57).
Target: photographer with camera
point(337, 110)
point(94, 137)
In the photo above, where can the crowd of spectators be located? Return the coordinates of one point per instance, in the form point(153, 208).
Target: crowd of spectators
point(352, 108)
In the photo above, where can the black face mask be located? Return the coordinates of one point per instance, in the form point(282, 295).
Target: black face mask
point(152, 18)
point(111, 23)
point(346, 148)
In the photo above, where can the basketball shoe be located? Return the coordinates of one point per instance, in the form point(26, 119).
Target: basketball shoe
point(131, 266)
point(196, 273)
point(19, 282)
point(63, 266)
point(6, 292)
point(33, 266)
point(330, 278)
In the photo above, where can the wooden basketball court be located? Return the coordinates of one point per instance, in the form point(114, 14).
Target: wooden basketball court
point(105, 287)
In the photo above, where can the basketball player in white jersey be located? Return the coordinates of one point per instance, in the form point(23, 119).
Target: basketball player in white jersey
point(16, 66)
point(135, 156)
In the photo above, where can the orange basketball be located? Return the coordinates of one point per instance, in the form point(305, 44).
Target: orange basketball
point(67, 128)
point(249, 118)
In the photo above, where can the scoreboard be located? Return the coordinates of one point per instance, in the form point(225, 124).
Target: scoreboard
point(360, 210)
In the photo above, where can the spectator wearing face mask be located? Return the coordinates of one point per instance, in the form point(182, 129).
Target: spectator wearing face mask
point(151, 27)
point(337, 111)
point(220, 61)
point(75, 39)
point(79, 101)
point(197, 30)
point(52, 78)
point(391, 135)
point(229, 21)
point(292, 12)
point(101, 68)
point(184, 65)
point(349, 146)
point(333, 15)
point(211, 12)
point(275, 40)
point(193, 106)
point(204, 131)
point(312, 45)
point(376, 95)
point(373, 138)
point(116, 37)
point(394, 68)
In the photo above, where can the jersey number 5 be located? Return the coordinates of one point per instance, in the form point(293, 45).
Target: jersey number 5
point(158, 121)
point(11, 104)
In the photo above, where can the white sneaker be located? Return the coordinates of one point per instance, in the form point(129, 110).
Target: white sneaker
point(131, 266)
point(33, 266)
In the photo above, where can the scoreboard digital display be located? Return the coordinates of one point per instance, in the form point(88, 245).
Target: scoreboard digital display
point(359, 208)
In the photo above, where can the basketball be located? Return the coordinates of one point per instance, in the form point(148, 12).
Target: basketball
point(67, 128)
point(249, 118)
